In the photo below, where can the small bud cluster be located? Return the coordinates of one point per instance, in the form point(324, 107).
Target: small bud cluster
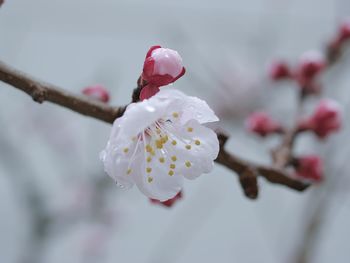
point(305, 73)
point(325, 119)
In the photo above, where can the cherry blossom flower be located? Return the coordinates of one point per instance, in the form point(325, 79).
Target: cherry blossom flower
point(279, 70)
point(162, 66)
point(159, 141)
point(261, 123)
point(310, 168)
point(170, 202)
point(98, 92)
point(325, 120)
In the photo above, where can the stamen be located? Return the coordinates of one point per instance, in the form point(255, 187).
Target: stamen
point(173, 158)
point(149, 148)
point(174, 142)
point(150, 179)
point(197, 142)
point(129, 171)
point(190, 129)
point(172, 166)
point(171, 173)
point(175, 115)
point(149, 159)
point(148, 169)
point(159, 144)
point(188, 164)
point(126, 150)
point(188, 147)
point(161, 159)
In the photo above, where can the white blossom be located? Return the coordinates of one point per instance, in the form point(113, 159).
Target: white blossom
point(159, 141)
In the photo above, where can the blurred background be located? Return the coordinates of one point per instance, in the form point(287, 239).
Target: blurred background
point(57, 204)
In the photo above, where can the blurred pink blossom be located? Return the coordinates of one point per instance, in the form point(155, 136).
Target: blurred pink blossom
point(279, 70)
point(310, 65)
point(261, 123)
point(310, 168)
point(325, 120)
point(98, 92)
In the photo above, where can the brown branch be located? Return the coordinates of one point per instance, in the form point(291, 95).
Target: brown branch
point(41, 92)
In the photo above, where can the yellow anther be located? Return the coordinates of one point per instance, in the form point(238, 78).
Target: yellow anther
point(188, 147)
point(173, 158)
point(175, 115)
point(197, 142)
point(174, 142)
point(159, 144)
point(125, 150)
point(188, 164)
point(158, 131)
point(164, 139)
point(129, 171)
point(149, 159)
point(172, 166)
point(150, 179)
point(148, 169)
point(149, 148)
point(171, 173)
point(161, 159)
point(190, 129)
point(153, 153)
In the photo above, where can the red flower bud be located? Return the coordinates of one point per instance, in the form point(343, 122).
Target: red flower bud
point(310, 168)
point(162, 66)
point(279, 70)
point(325, 120)
point(97, 92)
point(310, 65)
point(261, 123)
point(170, 202)
point(344, 31)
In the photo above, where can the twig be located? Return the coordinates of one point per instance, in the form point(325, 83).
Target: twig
point(41, 91)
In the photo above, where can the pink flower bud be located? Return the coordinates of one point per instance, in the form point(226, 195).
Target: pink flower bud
point(279, 70)
point(262, 124)
point(97, 92)
point(310, 168)
point(162, 66)
point(325, 120)
point(170, 202)
point(344, 31)
point(310, 65)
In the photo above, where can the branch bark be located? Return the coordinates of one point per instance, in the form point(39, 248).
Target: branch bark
point(41, 91)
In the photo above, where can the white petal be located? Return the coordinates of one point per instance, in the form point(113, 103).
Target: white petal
point(153, 177)
point(203, 149)
point(138, 116)
point(189, 107)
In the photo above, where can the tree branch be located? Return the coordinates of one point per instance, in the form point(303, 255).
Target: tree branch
point(41, 91)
